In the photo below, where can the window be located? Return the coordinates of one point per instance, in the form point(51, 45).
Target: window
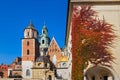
point(50, 77)
point(54, 59)
point(33, 35)
point(27, 72)
point(105, 78)
point(64, 64)
point(93, 78)
point(45, 65)
point(39, 64)
point(27, 33)
point(28, 52)
point(28, 43)
point(43, 41)
point(43, 32)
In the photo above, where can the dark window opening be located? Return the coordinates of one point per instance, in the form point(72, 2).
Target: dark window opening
point(27, 72)
point(28, 52)
point(39, 64)
point(28, 43)
point(105, 78)
point(93, 78)
point(50, 77)
point(43, 32)
point(43, 41)
point(45, 65)
point(28, 33)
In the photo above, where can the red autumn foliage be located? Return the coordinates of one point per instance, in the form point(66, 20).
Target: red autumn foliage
point(90, 40)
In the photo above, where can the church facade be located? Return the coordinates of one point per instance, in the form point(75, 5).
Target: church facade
point(41, 58)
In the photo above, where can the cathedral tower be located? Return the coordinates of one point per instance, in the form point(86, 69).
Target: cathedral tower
point(44, 41)
point(30, 50)
point(44, 38)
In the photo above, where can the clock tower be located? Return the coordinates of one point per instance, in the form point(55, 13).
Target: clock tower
point(30, 50)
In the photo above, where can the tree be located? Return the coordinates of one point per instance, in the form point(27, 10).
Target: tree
point(91, 39)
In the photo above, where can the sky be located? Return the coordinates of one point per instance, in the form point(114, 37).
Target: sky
point(15, 16)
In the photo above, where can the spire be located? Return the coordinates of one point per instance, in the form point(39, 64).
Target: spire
point(44, 23)
point(31, 25)
point(44, 26)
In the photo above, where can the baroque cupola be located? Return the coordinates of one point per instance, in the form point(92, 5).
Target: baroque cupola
point(44, 38)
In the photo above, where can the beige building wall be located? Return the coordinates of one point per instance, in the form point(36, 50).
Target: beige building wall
point(38, 73)
point(42, 74)
point(111, 14)
point(110, 9)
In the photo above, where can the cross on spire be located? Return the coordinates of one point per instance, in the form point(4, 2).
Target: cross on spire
point(31, 24)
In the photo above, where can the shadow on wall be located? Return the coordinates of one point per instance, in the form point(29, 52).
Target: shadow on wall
point(1, 74)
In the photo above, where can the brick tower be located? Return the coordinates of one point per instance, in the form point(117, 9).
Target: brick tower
point(30, 50)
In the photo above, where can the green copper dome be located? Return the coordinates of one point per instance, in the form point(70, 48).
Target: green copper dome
point(44, 38)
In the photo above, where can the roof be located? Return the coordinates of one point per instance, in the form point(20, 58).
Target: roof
point(31, 25)
point(63, 59)
point(42, 59)
point(44, 27)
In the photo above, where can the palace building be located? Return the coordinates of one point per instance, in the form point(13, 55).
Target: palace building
point(110, 10)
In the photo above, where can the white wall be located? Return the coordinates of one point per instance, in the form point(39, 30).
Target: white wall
point(26, 65)
point(69, 49)
point(63, 73)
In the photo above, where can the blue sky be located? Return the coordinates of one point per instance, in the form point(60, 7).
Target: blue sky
point(15, 15)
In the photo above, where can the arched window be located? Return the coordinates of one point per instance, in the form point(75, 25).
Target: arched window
point(28, 43)
point(45, 65)
point(27, 33)
point(27, 72)
point(105, 77)
point(54, 59)
point(33, 34)
point(39, 64)
point(64, 64)
point(93, 77)
point(28, 52)
point(43, 32)
point(43, 41)
point(49, 77)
